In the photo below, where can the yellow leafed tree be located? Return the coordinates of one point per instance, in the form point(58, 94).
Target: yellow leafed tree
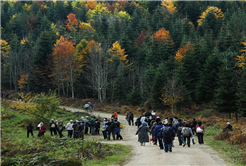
point(116, 51)
point(211, 9)
point(169, 6)
point(23, 81)
point(241, 61)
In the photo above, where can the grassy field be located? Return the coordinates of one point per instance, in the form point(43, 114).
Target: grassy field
point(19, 150)
point(230, 153)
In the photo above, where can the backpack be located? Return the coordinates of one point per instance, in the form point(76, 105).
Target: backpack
point(112, 126)
point(53, 125)
point(166, 132)
point(199, 130)
point(121, 126)
point(153, 116)
point(186, 132)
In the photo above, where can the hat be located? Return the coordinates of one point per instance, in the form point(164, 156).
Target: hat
point(158, 117)
point(228, 123)
point(52, 119)
point(71, 120)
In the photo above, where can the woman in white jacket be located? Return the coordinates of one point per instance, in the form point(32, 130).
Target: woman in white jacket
point(69, 128)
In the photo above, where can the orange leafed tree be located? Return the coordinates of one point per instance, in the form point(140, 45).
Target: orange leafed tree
point(162, 35)
point(91, 4)
point(180, 54)
point(23, 81)
point(66, 66)
point(71, 22)
point(116, 51)
point(169, 5)
point(122, 2)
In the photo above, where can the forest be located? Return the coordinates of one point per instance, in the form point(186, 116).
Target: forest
point(167, 53)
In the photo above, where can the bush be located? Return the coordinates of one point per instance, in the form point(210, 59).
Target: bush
point(222, 136)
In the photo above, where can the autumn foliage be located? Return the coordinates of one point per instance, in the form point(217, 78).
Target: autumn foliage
point(91, 4)
point(116, 51)
point(182, 51)
point(162, 35)
point(140, 39)
point(169, 6)
point(71, 22)
point(23, 81)
point(241, 58)
point(216, 11)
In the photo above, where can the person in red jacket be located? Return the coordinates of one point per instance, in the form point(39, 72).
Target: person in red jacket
point(200, 132)
point(42, 130)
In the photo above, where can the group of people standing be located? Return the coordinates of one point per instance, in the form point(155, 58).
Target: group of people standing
point(164, 131)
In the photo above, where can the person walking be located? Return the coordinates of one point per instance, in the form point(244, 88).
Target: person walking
point(104, 129)
point(86, 107)
point(131, 119)
point(200, 132)
point(187, 134)
point(91, 106)
point(69, 128)
point(30, 130)
point(157, 135)
point(142, 133)
point(111, 128)
point(179, 126)
point(115, 115)
point(97, 126)
point(42, 130)
point(167, 135)
point(53, 127)
point(61, 127)
point(117, 130)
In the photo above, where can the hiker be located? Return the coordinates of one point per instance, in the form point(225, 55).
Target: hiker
point(200, 132)
point(6, 95)
point(90, 106)
point(142, 133)
point(138, 122)
point(57, 128)
point(111, 128)
point(167, 135)
point(76, 129)
point(69, 128)
point(97, 126)
point(82, 130)
point(83, 119)
point(193, 125)
point(117, 130)
point(104, 128)
point(53, 127)
point(229, 126)
point(60, 127)
point(42, 130)
point(92, 125)
point(39, 126)
point(131, 117)
point(187, 134)
point(166, 120)
point(19, 98)
point(115, 115)
point(86, 107)
point(87, 124)
point(153, 114)
point(128, 117)
point(157, 135)
point(147, 114)
point(29, 130)
point(143, 119)
point(179, 127)
point(152, 128)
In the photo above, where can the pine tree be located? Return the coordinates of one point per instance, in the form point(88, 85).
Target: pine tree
point(241, 94)
point(225, 96)
point(41, 62)
point(208, 82)
point(135, 97)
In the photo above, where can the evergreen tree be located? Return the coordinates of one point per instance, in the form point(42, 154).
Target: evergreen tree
point(134, 97)
point(241, 94)
point(41, 62)
point(225, 96)
point(208, 83)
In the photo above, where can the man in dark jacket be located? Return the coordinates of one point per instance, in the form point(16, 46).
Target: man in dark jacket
point(29, 130)
point(111, 128)
point(53, 127)
point(180, 136)
point(131, 117)
point(229, 126)
point(157, 134)
point(167, 135)
point(148, 114)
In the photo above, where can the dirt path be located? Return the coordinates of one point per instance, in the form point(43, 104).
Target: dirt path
point(152, 155)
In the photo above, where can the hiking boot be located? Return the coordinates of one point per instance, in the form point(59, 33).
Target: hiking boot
point(184, 145)
point(170, 149)
point(143, 144)
point(194, 143)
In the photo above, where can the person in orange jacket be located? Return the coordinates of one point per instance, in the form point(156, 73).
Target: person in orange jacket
point(115, 115)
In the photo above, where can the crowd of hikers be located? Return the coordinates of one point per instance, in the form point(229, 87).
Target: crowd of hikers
point(80, 127)
point(164, 131)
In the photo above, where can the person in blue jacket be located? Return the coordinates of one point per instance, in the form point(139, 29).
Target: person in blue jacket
point(91, 106)
point(157, 134)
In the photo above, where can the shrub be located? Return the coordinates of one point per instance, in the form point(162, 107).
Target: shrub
point(222, 136)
